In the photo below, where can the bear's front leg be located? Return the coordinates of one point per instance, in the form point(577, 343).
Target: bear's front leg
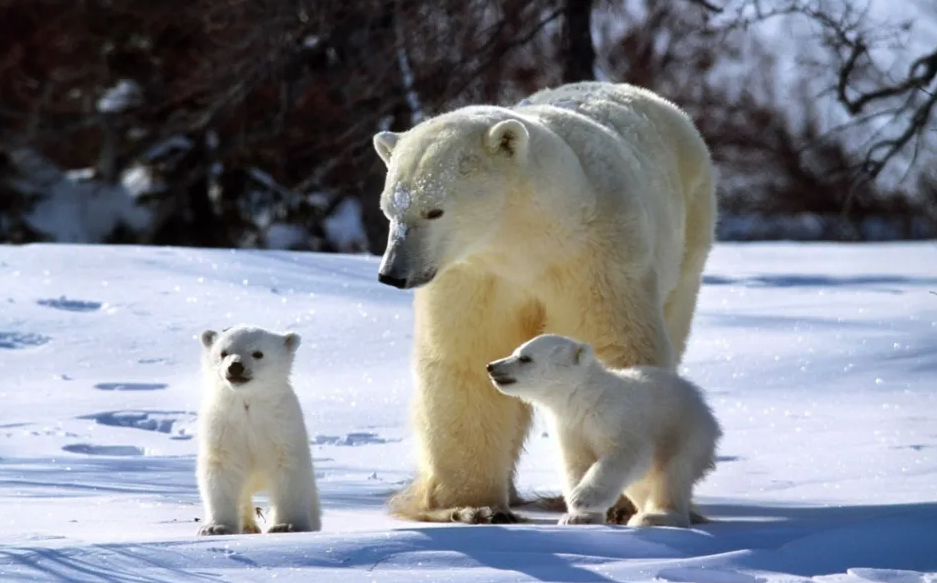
point(466, 456)
point(221, 492)
point(469, 435)
point(293, 497)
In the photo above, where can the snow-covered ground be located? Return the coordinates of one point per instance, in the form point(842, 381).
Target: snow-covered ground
point(820, 360)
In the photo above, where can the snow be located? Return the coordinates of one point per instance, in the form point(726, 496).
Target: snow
point(72, 207)
point(138, 180)
point(400, 201)
point(122, 96)
point(286, 236)
point(344, 228)
point(819, 359)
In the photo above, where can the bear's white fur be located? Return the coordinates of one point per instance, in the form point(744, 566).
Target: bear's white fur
point(252, 436)
point(588, 211)
point(644, 431)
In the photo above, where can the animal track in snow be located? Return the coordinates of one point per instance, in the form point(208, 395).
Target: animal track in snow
point(16, 340)
point(356, 438)
point(889, 575)
point(173, 423)
point(701, 575)
point(113, 450)
point(157, 360)
point(131, 386)
point(63, 303)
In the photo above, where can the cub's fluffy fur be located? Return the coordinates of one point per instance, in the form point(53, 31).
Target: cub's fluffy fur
point(251, 434)
point(644, 431)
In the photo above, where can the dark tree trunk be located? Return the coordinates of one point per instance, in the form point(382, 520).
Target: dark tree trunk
point(578, 54)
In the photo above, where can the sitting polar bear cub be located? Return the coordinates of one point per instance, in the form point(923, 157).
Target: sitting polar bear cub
point(251, 434)
point(641, 430)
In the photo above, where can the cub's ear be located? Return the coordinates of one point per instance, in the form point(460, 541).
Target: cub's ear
point(508, 137)
point(208, 338)
point(384, 143)
point(292, 341)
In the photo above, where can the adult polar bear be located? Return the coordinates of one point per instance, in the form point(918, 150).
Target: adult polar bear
point(587, 210)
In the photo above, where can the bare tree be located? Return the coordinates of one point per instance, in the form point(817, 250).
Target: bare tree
point(896, 107)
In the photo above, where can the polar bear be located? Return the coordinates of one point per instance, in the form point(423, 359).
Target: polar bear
point(588, 210)
point(644, 431)
point(251, 434)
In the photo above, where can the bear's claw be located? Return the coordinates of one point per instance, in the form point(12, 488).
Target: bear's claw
point(283, 527)
point(582, 518)
point(215, 529)
point(484, 515)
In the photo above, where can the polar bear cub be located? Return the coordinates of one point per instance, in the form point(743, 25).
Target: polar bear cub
point(644, 431)
point(252, 436)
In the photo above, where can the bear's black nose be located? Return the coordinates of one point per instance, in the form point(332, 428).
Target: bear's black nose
point(236, 368)
point(392, 281)
point(489, 367)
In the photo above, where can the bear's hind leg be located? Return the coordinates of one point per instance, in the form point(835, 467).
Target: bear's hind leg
point(669, 491)
point(681, 303)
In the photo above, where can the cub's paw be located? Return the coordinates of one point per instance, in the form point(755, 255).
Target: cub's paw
point(659, 519)
point(585, 499)
point(216, 529)
point(484, 515)
point(285, 527)
point(582, 518)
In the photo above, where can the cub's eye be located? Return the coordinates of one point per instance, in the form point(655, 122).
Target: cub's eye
point(224, 354)
point(523, 359)
point(258, 355)
point(433, 214)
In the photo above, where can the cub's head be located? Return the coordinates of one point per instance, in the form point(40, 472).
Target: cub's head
point(541, 366)
point(247, 357)
point(448, 183)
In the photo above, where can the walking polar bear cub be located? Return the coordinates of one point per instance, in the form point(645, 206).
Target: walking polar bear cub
point(588, 210)
point(642, 431)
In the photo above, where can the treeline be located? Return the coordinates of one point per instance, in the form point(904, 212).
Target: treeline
point(237, 123)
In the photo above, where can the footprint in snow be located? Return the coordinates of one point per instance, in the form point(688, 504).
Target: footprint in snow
point(889, 575)
point(358, 438)
point(699, 575)
point(131, 386)
point(110, 450)
point(63, 303)
point(173, 423)
point(17, 340)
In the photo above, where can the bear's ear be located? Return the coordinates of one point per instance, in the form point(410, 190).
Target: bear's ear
point(208, 338)
point(384, 143)
point(291, 340)
point(508, 137)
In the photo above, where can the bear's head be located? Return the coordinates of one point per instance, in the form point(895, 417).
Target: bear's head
point(247, 358)
point(449, 180)
point(546, 365)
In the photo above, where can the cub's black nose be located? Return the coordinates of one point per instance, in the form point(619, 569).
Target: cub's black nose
point(236, 368)
point(489, 367)
point(392, 281)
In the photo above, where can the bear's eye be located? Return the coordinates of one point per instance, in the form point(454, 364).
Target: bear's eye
point(258, 355)
point(224, 354)
point(523, 359)
point(433, 214)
